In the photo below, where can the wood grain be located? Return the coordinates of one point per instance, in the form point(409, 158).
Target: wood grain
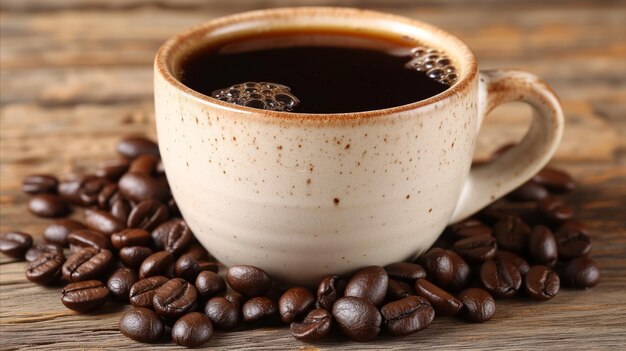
point(76, 75)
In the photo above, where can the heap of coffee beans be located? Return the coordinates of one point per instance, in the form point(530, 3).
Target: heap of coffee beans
point(134, 247)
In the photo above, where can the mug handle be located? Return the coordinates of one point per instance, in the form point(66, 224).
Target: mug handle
point(488, 182)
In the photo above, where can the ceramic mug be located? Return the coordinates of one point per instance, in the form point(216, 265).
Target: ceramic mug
point(306, 195)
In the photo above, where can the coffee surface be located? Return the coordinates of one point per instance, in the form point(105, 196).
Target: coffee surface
point(315, 73)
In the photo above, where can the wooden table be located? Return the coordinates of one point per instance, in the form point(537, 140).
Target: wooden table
point(78, 74)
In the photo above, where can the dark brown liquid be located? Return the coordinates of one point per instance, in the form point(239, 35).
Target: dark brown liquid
point(327, 73)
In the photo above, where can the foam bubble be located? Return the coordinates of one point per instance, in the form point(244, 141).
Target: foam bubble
point(434, 63)
point(261, 95)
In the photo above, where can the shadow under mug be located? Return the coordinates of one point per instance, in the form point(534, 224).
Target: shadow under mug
point(306, 195)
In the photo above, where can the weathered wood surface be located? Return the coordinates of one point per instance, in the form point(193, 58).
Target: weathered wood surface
point(77, 74)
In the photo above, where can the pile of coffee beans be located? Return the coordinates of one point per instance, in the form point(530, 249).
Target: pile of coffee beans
point(133, 247)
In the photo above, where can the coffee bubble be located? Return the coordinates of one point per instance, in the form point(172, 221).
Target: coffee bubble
point(434, 63)
point(261, 95)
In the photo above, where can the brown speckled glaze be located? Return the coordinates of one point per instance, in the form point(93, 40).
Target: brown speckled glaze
point(305, 195)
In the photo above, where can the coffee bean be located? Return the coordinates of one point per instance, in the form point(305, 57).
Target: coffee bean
point(178, 238)
point(555, 210)
point(191, 330)
point(529, 191)
point(39, 184)
point(120, 209)
point(88, 238)
point(70, 188)
point(330, 289)
point(542, 246)
point(85, 296)
point(197, 252)
point(512, 234)
point(15, 244)
point(357, 318)
point(235, 298)
point(112, 169)
point(405, 271)
point(398, 289)
point(541, 283)
point(369, 283)
point(444, 303)
point(90, 191)
point(120, 282)
point(140, 186)
point(46, 269)
point(147, 215)
point(249, 281)
point(145, 164)
point(156, 264)
point(130, 237)
point(258, 308)
point(208, 266)
point(160, 233)
point(174, 298)
point(223, 314)
point(470, 227)
point(581, 273)
point(407, 316)
point(35, 251)
point(103, 221)
point(445, 268)
point(477, 248)
point(519, 263)
point(187, 268)
point(134, 146)
point(315, 326)
point(57, 232)
point(87, 264)
point(209, 284)
point(142, 292)
point(295, 302)
point(108, 196)
point(555, 180)
point(133, 256)
point(572, 242)
point(141, 324)
point(48, 205)
point(478, 305)
point(500, 278)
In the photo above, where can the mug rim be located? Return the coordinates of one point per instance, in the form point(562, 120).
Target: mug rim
point(169, 48)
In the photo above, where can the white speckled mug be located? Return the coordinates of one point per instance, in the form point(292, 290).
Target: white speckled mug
point(305, 195)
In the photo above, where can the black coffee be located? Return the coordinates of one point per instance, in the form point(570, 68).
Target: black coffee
point(313, 72)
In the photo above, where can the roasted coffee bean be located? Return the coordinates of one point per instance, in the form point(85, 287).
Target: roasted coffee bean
point(147, 215)
point(57, 232)
point(478, 305)
point(37, 250)
point(187, 268)
point(145, 164)
point(357, 318)
point(140, 186)
point(407, 316)
point(48, 205)
point(581, 273)
point(330, 289)
point(442, 243)
point(295, 302)
point(178, 238)
point(112, 169)
point(160, 233)
point(519, 263)
point(555, 210)
point(71, 187)
point(209, 284)
point(541, 283)
point(444, 303)
point(174, 298)
point(120, 282)
point(90, 190)
point(249, 281)
point(142, 292)
point(85, 296)
point(529, 191)
point(141, 324)
point(130, 237)
point(103, 221)
point(369, 283)
point(477, 248)
point(133, 146)
point(40, 183)
point(398, 289)
point(191, 330)
point(234, 297)
point(87, 264)
point(198, 252)
point(208, 266)
point(108, 196)
point(500, 278)
point(15, 244)
point(315, 326)
point(572, 242)
point(555, 180)
point(512, 234)
point(470, 227)
point(223, 314)
point(46, 269)
point(405, 271)
point(88, 238)
point(120, 209)
point(542, 246)
point(133, 256)
point(258, 308)
point(445, 268)
point(156, 264)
